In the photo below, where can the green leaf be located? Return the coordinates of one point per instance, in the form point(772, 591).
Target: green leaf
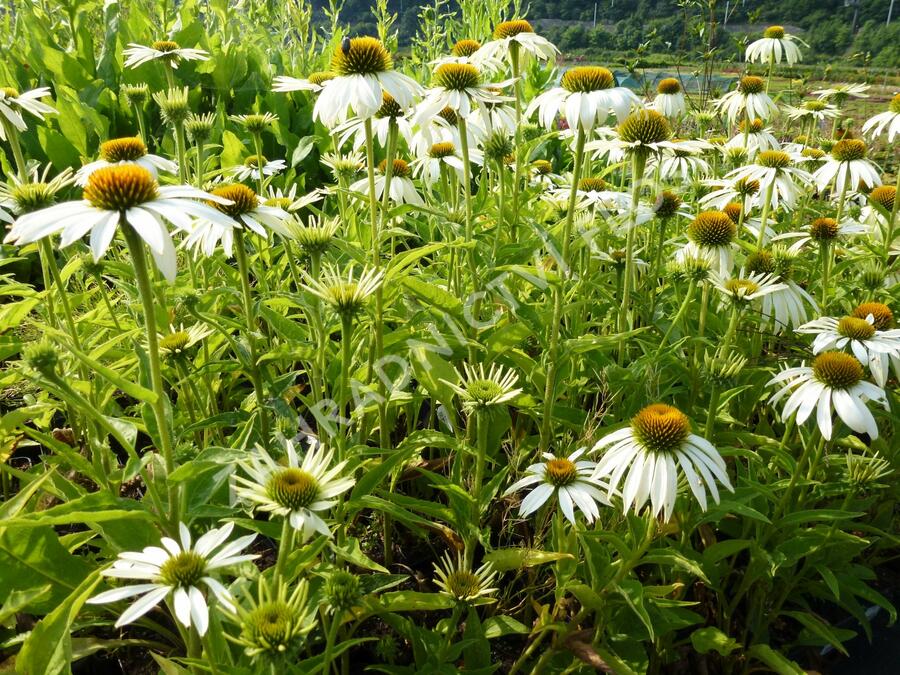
point(707, 639)
point(633, 593)
point(776, 661)
point(350, 551)
point(433, 295)
point(506, 559)
point(414, 601)
point(96, 507)
point(500, 625)
point(19, 601)
point(819, 628)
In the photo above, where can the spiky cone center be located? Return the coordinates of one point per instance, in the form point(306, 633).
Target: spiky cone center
point(760, 262)
point(366, 56)
point(243, 199)
point(199, 126)
point(457, 76)
point(449, 116)
point(660, 428)
point(283, 203)
point(751, 84)
point(320, 77)
point(814, 105)
point(560, 472)
point(255, 161)
point(498, 146)
point(399, 168)
point(823, 229)
point(462, 584)
point(619, 257)
point(884, 317)
point(733, 210)
point(541, 167)
point(120, 187)
point(746, 187)
point(30, 197)
point(884, 195)
point(126, 149)
point(812, 153)
point(592, 184)
point(9, 92)
point(837, 370)
point(668, 86)
point(848, 150)
point(256, 123)
point(857, 329)
point(756, 125)
point(717, 140)
point(292, 488)
point(774, 159)
point(712, 228)
point(389, 107)
point(465, 47)
point(741, 288)
point(774, 32)
point(439, 150)
point(737, 155)
point(667, 204)
point(42, 356)
point(165, 46)
point(314, 239)
point(894, 105)
point(508, 29)
point(183, 570)
point(645, 127)
point(342, 590)
point(136, 93)
point(270, 625)
point(174, 342)
point(173, 104)
point(483, 392)
point(587, 78)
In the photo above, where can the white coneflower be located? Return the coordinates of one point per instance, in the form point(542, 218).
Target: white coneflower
point(18, 197)
point(479, 388)
point(682, 159)
point(834, 383)
point(458, 86)
point(177, 569)
point(428, 167)
point(749, 99)
point(669, 99)
point(746, 286)
point(839, 93)
point(586, 96)
point(570, 479)
point(298, 491)
point(711, 235)
point(258, 167)
point(757, 138)
point(275, 620)
point(887, 121)
point(813, 110)
point(289, 201)
point(365, 70)
point(494, 117)
point(778, 176)
point(239, 207)
point(179, 340)
point(167, 51)
point(345, 292)
point(313, 82)
point(403, 190)
point(314, 235)
point(790, 305)
point(13, 104)
point(541, 172)
point(389, 114)
point(773, 45)
point(255, 123)
point(650, 450)
point(823, 231)
point(344, 167)
point(516, 39)
point(457, 579)
point(872, 347)
point(128, 150)
point(592, 192)
point(728, 191)
point(847, 167)
point(463, 51)
point(123, 192)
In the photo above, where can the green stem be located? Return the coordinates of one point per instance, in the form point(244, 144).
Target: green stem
point(764, 216)
point(12, 135)
point(50, 258)
point(688, 297)
point(285, 548)
point(638, 162)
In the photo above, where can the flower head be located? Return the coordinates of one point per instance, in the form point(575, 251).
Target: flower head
point(456, 579)
point(275, 619)
point(166, 51)
point(13, 104)
point(344, 292)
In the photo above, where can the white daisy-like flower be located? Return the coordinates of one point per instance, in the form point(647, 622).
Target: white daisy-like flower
point(299, 491)
point(711, 236)
point(167, 51)
point(847, 167)
point(776, 169)
point(258, 167)
point(749, 99)
point(344, 165)
point(757, 139)
point(788, 306)
point(650, 451)
point(838, 94)
point(569, 479)
point(871, 347)
point(728, 191)
point(515, 39)
point(456, 579)
point(746, 286)
point(177, 569)
point(403, 190)
point(313, 82)
point(669, 99)
point(592, 193)
point(239, 207)
point(129, 191)
point(822, 231)
point(887, 121)
point(834, 383)
point(179, 340)
point(586, 97)
point(463, 51)
point(390, 113)
point(479, 388)
point(365, 70)
point(493, 117)
point(682, 160)
point(541, 173)
point(459, 87)
point(774, 45)
point(13, 104)
point(428, 168)
point(344, 292)
point(128, 150)
point(18, 197)
point(814, 110)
